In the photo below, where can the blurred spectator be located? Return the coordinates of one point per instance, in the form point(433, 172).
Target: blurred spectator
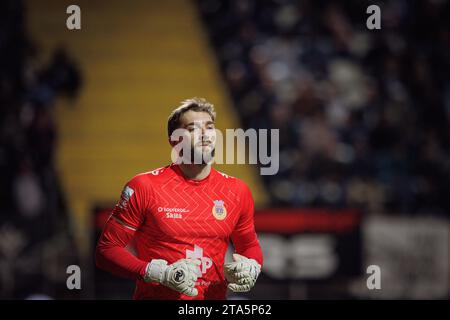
point(28, 193)
point(34, 222)
point(363, 115)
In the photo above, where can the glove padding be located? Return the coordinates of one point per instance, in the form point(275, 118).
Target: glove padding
point(241, 273)
point(179, 276)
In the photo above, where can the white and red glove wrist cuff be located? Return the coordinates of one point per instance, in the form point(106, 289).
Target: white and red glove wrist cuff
point(155, 270)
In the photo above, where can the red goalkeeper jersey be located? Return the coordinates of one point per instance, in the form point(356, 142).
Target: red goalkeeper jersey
point(167, 216)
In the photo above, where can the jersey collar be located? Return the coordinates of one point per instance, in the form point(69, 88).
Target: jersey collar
point(178, 171)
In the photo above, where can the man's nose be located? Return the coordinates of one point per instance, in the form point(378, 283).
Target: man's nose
point(203, 132)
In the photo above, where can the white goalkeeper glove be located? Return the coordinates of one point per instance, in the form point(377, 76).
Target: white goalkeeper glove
point(179, 276)
point(241, 273)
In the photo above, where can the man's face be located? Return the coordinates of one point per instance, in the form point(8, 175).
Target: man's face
point(201, 131)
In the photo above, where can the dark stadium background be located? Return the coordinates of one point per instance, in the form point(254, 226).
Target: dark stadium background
point(363, 115)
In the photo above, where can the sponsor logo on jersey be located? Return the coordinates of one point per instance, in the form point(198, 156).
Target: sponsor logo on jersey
point(173, 213)
point(170, 215)
point(126, 195)
point(219, 211)
point(197, 254)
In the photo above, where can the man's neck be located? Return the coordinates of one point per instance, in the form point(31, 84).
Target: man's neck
point(195, 171)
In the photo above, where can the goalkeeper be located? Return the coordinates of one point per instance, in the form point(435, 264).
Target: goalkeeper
point(172, 226)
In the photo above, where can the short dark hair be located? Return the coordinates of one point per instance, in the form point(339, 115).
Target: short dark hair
point(193, 104)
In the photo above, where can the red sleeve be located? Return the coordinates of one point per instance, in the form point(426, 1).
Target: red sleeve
point(111, 253)
point(244, 236)
point(133, 202)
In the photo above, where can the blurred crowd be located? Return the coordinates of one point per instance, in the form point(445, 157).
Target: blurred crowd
point(363, 114)
point(35, 236)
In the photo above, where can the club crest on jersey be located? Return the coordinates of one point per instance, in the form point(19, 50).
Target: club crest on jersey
point(219, 211)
